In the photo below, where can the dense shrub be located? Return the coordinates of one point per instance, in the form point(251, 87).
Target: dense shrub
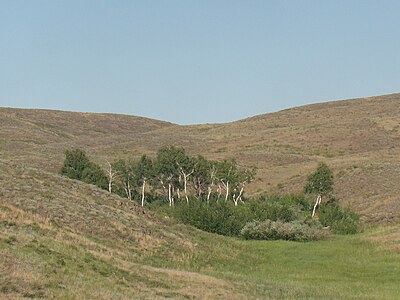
point(75, 163)
point(94, 174)
point(341, 221)
point(287, 208)
point(78, 166)
point(226, 219)
point(293, 231)
point(222, 218)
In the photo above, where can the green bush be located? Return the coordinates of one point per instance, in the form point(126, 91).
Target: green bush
point(287, 208)
point(93, 174)
point(75, 163)
point(293, 231)
point(222, 218)
point(78, 166)
point(341, 221)
point(226, 219)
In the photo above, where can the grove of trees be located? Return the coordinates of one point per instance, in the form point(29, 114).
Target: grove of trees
point(171, 174)
point(207, 194)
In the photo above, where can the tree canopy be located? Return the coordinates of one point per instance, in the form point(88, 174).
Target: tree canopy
point(321, 181)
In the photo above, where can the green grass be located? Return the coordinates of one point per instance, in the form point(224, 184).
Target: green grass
point(344, 267)
point(42, 260)
point(63, 239)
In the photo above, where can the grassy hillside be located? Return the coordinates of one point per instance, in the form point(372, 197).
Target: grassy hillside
point(60, 238)
point(359, 138)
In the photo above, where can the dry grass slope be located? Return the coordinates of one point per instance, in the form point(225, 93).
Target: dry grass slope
point(61, 238)
point(359, 138)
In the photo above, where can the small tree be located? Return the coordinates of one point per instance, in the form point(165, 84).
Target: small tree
point(78, 166)
point(320, 183)
point(75, 163)
point(145, 172)
point(127, 177)
point(167, 170)
point(94, 174)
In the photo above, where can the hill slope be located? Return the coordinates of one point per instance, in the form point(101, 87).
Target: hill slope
point(63, 239)
point(359, 138)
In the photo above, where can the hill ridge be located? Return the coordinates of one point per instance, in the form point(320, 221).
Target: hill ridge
point(358, 138)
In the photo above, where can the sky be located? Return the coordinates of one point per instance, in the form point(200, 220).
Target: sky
point(191, 62)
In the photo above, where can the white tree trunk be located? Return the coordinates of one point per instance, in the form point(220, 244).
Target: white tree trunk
point(169, 194)
point(227, 191)
point(318, 202)
point(209, 193)
point(219, 192)
point(185, 180)
point(110, 176)
point(185, 187)
point(128, 191)
point(143, 190)
point(239, 197)
point(212, 177)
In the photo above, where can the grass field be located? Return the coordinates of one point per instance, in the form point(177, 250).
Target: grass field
point(39, 259)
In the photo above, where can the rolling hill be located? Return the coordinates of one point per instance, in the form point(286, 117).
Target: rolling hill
point(61, 238)
point(359, 139)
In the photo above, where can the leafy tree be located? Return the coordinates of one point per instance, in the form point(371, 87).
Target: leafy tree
point(78, 166)
point(167, 170)
point(227, 175)
point(202, 176)
point(75, 163)
point(145, 173)
point(319, 182)
point(127, 180)
point(94, 174)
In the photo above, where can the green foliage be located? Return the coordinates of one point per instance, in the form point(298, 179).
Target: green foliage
point(221, 218)
point(227, 219)
point(293, 231)
point(341, 221)
point(287, 208)
point(78, 166)
point(285, 217)
point(321, 181)
point(144, 169)
point(126, 181)
point(202, 175)
point(74, 164)
point(166, 160)
point(94, 174)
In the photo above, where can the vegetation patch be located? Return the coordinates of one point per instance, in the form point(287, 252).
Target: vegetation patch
point(290, 231)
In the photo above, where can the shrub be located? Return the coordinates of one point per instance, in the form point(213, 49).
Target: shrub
point(75, 163)
point(93, 174)
point(78, 166)
point(222, 218)
point(287, 208)
point(293, 231)
point(339, 220)
point(226, 219)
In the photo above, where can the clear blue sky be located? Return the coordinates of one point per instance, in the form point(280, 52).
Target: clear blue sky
point(195, 61)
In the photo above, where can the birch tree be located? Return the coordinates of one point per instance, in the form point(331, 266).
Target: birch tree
point(167, 170)
point(320, 183)
point(226, 174)
point(126, 182)
point(243, 177)
point(144, 174)
point(200, 178)
point(111, 175)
